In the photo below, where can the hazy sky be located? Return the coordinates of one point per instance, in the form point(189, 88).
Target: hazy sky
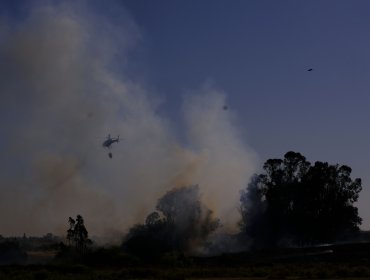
point(256, 53)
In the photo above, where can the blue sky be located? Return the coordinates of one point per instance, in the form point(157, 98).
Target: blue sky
point(258, 53)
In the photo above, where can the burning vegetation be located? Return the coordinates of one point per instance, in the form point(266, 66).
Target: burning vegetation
point(176, 238)
point(182, 224)
point(59, 85)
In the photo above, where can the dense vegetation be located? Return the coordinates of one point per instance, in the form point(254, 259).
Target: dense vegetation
point(291, 203)
point(296, 203)
point(182, 223)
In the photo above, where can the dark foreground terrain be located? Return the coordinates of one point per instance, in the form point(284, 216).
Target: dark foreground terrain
point(349, 261)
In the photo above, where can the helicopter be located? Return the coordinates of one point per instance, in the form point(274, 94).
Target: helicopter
point(107, 143)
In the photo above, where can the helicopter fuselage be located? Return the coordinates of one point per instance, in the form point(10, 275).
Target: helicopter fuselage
point(107, 143)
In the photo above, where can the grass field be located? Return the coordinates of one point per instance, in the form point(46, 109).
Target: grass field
point(332, 262)
point(313, 270)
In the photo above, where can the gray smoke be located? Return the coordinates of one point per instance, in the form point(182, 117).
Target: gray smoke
point(60, 95)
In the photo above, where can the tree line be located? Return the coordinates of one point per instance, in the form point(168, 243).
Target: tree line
point(291, 203)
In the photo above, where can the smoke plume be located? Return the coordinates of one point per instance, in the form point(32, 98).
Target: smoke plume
point(62, 90)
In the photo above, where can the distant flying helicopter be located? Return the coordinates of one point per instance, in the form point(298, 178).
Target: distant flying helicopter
point(108, 144)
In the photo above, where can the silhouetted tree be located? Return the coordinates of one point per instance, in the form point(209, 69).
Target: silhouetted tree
point(191, 221)
point(70, 231)
point(296, 202)
point(149, 240)
point(181, 223)
point(77, 234)
point(153, 219)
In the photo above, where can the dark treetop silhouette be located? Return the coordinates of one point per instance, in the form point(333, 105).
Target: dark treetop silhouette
point(77, 234)
point(295, 203)
point(182, 223)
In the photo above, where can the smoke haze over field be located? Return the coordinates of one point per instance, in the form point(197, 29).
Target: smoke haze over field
point(61, 95)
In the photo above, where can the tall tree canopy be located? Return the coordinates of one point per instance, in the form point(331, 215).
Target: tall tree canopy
point(294, 202)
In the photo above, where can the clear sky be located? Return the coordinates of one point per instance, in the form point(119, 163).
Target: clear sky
point(258, 53)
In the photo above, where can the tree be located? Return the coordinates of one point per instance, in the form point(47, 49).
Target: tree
point(190, 220)
point(296, 202)
point(77, 234)
point(180, 223)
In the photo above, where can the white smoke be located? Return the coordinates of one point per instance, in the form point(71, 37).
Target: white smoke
point(60, 95)
point(226, 162)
